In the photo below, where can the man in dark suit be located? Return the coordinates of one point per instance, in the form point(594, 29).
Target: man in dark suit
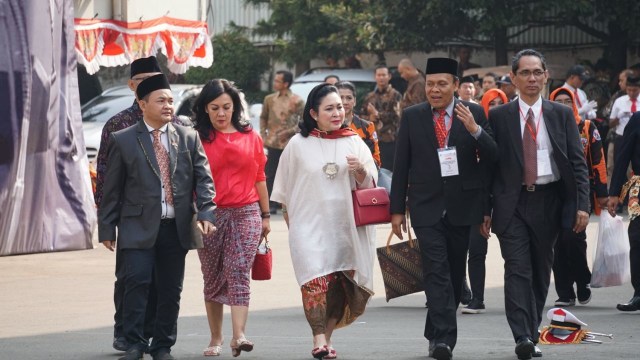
point(629, 152)
point(442, 148)
point(540, 184)
point(153, 170)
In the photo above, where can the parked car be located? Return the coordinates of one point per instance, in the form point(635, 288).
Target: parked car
point(98, 110)
point(254, 115)
point(363, 79)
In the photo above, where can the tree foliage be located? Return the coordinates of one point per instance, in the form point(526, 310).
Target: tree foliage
point(300, 28)
point(317, 28)
point(235, 59)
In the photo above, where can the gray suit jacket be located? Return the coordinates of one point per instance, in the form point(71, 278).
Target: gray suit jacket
point(132, 188)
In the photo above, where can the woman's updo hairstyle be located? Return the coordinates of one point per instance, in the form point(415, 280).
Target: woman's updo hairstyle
point(313, 102)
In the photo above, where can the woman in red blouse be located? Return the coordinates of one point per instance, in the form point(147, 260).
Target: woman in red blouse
point(237, 159)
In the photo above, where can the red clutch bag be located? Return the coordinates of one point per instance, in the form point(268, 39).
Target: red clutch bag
point(371, 206)
point(263, 262)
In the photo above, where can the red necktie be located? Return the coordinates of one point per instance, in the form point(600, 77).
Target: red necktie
point(163, 161)
point(633, 105)
point(530, 151)
point(577, 96)
point(440, 128)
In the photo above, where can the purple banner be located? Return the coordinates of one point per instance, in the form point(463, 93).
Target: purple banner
point(46, 203)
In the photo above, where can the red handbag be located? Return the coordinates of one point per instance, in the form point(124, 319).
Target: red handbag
point(371, 206)
point(262, 264)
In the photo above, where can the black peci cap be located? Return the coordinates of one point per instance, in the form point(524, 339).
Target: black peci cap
point(633, 81)
point(151, 84)
point(468, 79)
point(442, 66)
point(144, 65)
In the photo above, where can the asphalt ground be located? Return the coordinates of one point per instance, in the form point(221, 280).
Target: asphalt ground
point(59, 306)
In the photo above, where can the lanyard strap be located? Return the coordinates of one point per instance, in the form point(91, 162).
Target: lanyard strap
point(528, 127)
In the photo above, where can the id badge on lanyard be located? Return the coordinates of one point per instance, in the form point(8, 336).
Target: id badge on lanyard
point(448, 161)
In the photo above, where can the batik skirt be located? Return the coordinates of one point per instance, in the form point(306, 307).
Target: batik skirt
point(333, 296)
point(228, 255)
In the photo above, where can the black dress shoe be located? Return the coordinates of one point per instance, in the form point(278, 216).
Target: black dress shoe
point(133, 354)
point(524, 348)
point(163, 354)
point(475, 307)
point(442, 351)
point(536, 351)
point(632, 305)
point(120, 343)
point(432, 345)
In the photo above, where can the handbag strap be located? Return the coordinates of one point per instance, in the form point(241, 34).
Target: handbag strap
point(266, 242)
point(411, 239)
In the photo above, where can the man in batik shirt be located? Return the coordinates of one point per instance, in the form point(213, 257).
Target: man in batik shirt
point(415, 93)
point(281, 112)
point(382, 107)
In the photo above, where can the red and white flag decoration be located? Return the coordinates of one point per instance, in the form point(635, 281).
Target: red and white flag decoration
point(102, 42)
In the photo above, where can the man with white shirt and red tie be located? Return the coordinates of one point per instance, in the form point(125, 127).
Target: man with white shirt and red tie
point(540, 185)
point(444, 151)
point(623, 108)
point(576, 76)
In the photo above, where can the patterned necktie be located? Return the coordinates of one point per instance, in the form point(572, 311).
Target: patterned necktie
point(577, 96)
point(440, 127)
point(633, 105)
point(529, 148)
point(163, 161)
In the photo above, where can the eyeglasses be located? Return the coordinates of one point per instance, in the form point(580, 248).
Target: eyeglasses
point(527, 73)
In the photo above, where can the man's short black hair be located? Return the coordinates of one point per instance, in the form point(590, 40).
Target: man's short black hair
point(515, 61)
point(493, 75)
point(287, 76)
point(346, 85)
point(381, 66)
point(331, 76)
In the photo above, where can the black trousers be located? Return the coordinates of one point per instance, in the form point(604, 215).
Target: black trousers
point(270, 168)
point(387, 154)
point(570, 263)
point(527, 249)
point(443, 247)
point(118, 299)
point(634, 254)
point(163, 263)
point(477, 257)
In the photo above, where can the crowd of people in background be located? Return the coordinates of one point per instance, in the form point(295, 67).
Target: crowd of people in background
point(468, 155)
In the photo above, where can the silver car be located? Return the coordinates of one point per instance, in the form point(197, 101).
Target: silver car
point(98, 110)
point(363, 79)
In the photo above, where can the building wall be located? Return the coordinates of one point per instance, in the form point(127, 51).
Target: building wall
point(132, 11)
point(87, 9)
point(220, 13)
